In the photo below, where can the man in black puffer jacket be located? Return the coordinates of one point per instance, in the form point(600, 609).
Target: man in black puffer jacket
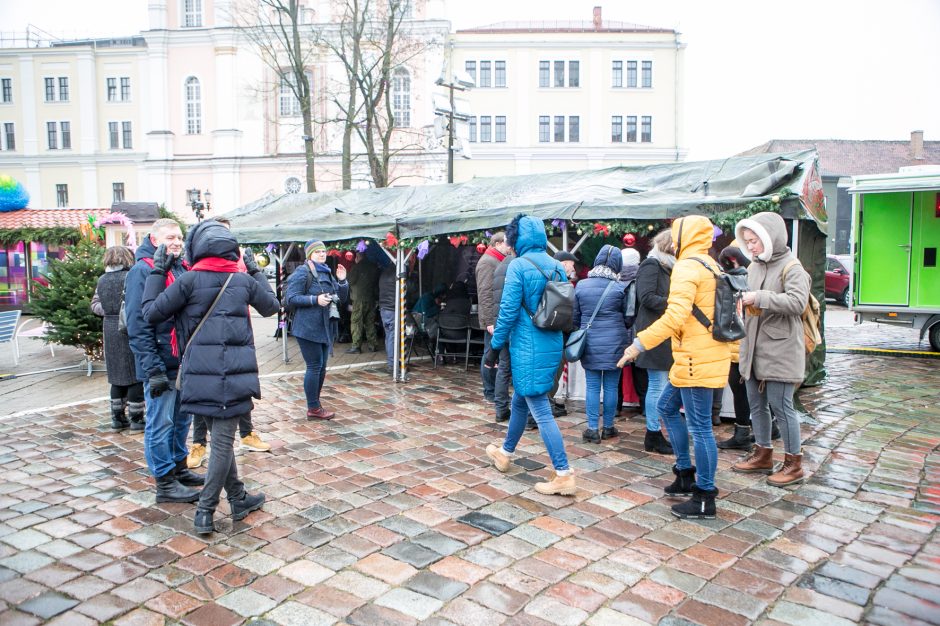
point(219, 369)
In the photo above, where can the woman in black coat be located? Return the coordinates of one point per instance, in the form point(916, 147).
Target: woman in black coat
point(126, 391)
point(218, 369)
point(652, 291)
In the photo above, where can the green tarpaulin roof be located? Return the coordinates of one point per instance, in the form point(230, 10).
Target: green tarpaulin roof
point(640, 192)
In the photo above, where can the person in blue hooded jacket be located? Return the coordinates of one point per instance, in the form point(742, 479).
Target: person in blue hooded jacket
point(606, 339)
point(534, 352)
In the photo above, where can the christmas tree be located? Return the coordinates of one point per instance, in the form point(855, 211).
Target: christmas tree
point(65, 304)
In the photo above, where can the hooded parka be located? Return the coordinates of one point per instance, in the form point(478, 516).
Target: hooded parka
point(219, 367)
point(773, 347)
point(698, 359)
point(608, 335)
point(652, 293)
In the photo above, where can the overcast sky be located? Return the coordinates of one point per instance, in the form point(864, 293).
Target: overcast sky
point(755, 70)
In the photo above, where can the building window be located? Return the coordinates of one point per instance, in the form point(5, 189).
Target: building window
point(574, 70)
point(52, 134)
point(631, 73)
point(401, 98)
point(7, 89)
point(117, 192)
point(113, 135)
point(192, 13)
point(471, 69)
point(288, 102)
point(617, 74)
point(500, 74)
point(111, 89)
point(544, 73)
point(66, 129)
point(647, 129)
point(61, 195)
point(647, 74)
point(63, 89)
point(486, 128)
point(616, 128)
point(574, 128)
point(292, 185)
point(631, 128)
point(473, 128)
point(559, 73)
point(9, 136)
point(193, 106)
point(127, 135)
point(559, 128)
point(125, 88)
point(544, 130)
point(485, 73)
point(500, 129)
point(50, 89)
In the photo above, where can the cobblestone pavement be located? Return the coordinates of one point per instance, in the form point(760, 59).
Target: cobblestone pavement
point(390, 515)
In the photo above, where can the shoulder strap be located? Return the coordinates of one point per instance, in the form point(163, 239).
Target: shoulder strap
point(698, 313)
point(209, 311)
point(541, 271)
point(786, 268)
point(599, 303)
point(705, 265)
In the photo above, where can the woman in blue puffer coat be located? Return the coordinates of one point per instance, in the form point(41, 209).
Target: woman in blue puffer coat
point(605, 340)
point(534, 353)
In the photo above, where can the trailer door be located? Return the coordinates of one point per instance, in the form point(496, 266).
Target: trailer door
point(885, 249)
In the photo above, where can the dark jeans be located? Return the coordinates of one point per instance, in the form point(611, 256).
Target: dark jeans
point(165, 430)
point(742, 409)
point(222, 471)
point(201, 427)
point(131, 393)
point(488, 374)
point(388, 323)
point(315, 356)
point(697, 422)
point(501, 383)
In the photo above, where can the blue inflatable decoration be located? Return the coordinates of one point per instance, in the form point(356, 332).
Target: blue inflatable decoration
point(13, 196)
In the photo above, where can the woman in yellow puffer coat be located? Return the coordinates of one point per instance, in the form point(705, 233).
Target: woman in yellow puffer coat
point(700, 365)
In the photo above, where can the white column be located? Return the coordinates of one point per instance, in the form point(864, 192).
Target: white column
point(225, 134)
point(90, 186)
point(159, 135)
point(87, 104)
point(157, 9)
point(27, 94)
point(33, 185)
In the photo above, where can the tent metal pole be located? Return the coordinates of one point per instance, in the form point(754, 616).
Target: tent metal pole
point(580, 241)
point(282, 317)
point(564, 236)
point(403, 290)
point(396, 365)
point(795, 229)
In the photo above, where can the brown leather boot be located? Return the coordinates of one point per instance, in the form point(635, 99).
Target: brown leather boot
point(791, 472)
point(759, 461)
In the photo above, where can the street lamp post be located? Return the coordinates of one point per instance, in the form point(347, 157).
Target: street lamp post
point(195, 202)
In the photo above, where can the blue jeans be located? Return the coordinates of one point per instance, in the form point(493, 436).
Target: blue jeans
point(488, 374)
point(388, 323)
point(501, 383)
point(595, 380)
point(657, 383)
point(698, 421)
point(542, 412)
point(165, 431)
point(315, 355)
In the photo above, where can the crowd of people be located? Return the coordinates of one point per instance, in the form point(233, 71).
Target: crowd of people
point(179, 348)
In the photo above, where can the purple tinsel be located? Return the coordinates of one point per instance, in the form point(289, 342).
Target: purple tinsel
point(717, 233)
point(361, 246)
point(558, 223)
point(423, 249)
point(488, 234)
point(269, 248)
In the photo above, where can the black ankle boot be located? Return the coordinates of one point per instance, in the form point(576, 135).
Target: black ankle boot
point(188, 477)
point(118, 421)
point(655, 442)
point(590, 435)
point(202, 522)
point(609, 432)
point(135, 411)
point(170, 490)
point(531, 424)
point(740, 440)
point(682, 485)
point(248, 503)
point(700, 506)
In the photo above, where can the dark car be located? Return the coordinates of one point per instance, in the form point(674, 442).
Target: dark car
point(838, 277)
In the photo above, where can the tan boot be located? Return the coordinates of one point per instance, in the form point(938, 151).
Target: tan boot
point(560, 485)
point(500, 461)
point(791, 472)
point(759, 461)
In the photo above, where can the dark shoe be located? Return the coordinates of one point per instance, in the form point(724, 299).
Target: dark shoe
point(119, 423)
point(248, 503)
point(759, 461)
point(135, 411)
point(489, 399)
point(170, 490)
point(700, 506)
point(774, 431)
point(655, 442)
point(137, 426)
point(354, 350)
point(187, 477)
point(320, 414)
point(531, 424)
point(609, 433)
point(503, 416)
point(118, 420)
point(590, 436)
point(202, 522)
point(682, 485)
point(559, 410)
point(740, 440)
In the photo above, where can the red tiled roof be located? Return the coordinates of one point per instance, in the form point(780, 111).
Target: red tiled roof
point(843, 157)
point(48, 218)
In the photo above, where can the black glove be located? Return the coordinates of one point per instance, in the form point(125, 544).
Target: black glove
point(162, 261)
point(250, 264)
point(491, 359)
point(158, 383)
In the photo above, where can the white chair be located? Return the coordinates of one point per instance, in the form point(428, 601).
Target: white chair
point(8, 323)
point(38, 332)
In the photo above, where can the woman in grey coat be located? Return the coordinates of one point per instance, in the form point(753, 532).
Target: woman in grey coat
point(773, 355)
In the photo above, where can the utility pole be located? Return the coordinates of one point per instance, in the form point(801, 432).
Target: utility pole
point(459, 82)
point(450, 137)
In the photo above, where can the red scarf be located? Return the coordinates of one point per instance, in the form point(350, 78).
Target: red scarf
point(215, 264)
point(174, 344)
point(496, 254)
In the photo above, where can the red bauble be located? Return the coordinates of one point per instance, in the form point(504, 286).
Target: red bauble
point(349, 256)
point(481, 247)
point(629, 239)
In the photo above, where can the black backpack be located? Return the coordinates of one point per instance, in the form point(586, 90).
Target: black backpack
point(630, 304)
point(556, 307)
point(728, 322)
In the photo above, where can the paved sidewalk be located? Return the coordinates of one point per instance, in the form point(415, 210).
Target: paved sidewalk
point(390, 515)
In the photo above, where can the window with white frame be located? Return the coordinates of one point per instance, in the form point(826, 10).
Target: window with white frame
point(559, 134)
point(545, 131)
point(500, 76)
point(471, 68)
point(631, 74)
point(61, 195)
point(113, 137)
point(500, 129)
point(192, 13)
point(66, 129)
point(9, 136)
point(485, 74)
point(486, 128)
point(574, 73)
point(631, 128)
point(127, 136)
point(63, 89)
point(50, 89)
point(52, 136)
point(544, 73)
point(616, 128)
point(646, 129)
point(616, 79)
point(401, 97)
point(288, 102)
point(472, 122)
point(193, 106)
point(125, 88)
point(647, 68)
point(574, 128)
point(111, 89)
point(117, 192)
point(7, 89)
point(559, 74)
